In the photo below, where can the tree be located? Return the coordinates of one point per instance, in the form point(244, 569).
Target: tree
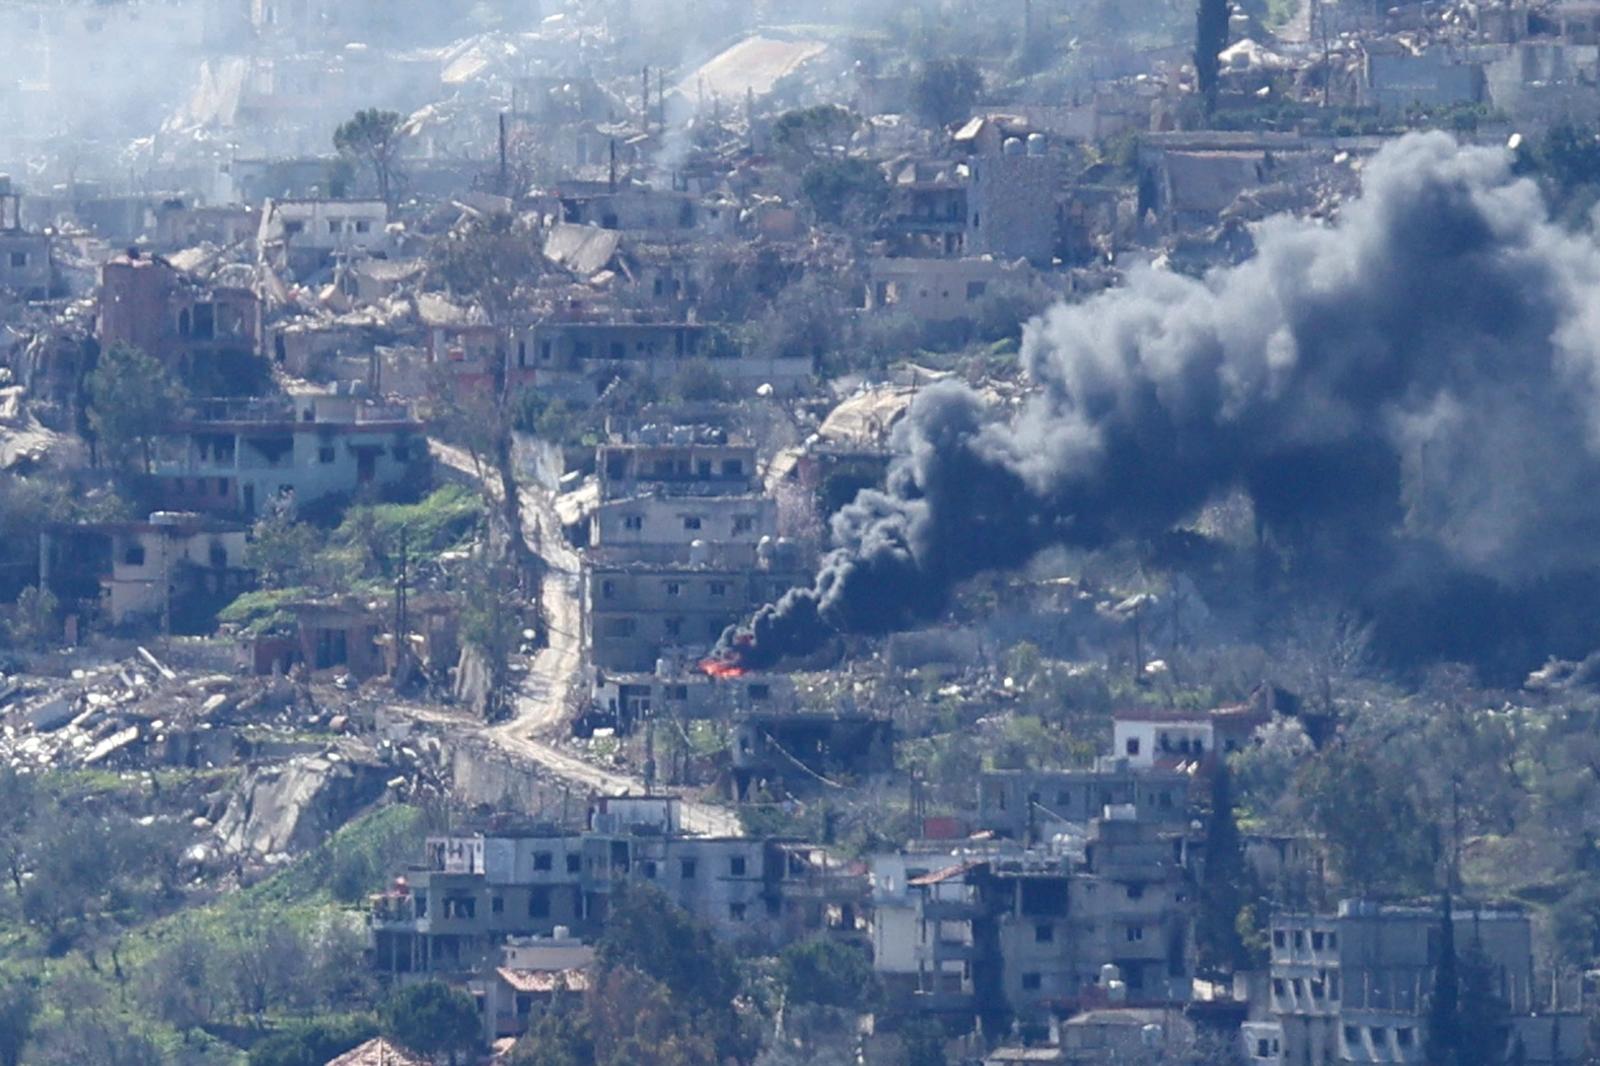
point(19, 1006)
point(945, 90)
point(313, 1043)
point(282, 551)
point(647, 933)
point(558, 1038)
point(1224, 893)
point(1210, 38)
point(35, 620)
point(132, 399)
point(1377, 837)
point(828, 973)
point(431, 1019)
point(845, 192)
point(1444, 1004)
point(373, 137)
point(924, 1043)
point(816, 132)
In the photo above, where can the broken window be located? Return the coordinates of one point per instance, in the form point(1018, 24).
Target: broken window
point(1132, 746)
point(736, 911)
point(539, 902)
point(736, 866)
point(326, 455)
point(743, 523)
point(618, 627)
point(497, 905)
point(1044, 934)
point(633, 522)
point(541, 860)
point(691, 521)
point(760, 692)
point(686, 869)
point(363, 226)
point(648, 869)
point(674, 627)
point(1032, 982)
point(608, 589)
point(134, 555)
point(1405, 1036)
point(719, 588)
point(333, 225)
point(293, 227)
point(674, 588)
point(1044, 897)
point(19, 259)
point(1135, 933)
point(976, 289)
point(1135, 891)
point(574, 864)
point(1316, 940)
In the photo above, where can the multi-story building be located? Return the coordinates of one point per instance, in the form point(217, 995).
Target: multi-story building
point(171, 568)
point(234, 458)
point(1353, 986)
point(658, 498)
point(473, 892)
point(1030, 804)
point(1025, 933)
point(636, 613)
point(26, 266)
point(203, 334)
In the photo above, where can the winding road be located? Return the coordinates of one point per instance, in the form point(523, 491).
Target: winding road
point(555, 676)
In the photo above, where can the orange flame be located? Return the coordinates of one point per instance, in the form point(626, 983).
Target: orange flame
point(721, 668)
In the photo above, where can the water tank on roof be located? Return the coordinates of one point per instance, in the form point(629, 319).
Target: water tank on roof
point(1013, 146)
point(173, 518)
point(699, 552)
point(561, 932)
point(1037, 145)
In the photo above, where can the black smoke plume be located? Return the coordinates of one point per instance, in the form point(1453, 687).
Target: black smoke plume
point(1421, 376)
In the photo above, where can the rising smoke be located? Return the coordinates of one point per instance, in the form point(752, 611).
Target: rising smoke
point(1419, 378)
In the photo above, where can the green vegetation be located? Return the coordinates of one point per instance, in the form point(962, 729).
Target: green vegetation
point(132, 398)
point(295, 562)
point(829, 974)
point(944, 90)
point(373, 138)
point(431, 1018)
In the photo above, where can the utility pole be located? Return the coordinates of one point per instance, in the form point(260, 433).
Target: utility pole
point(505, 181)
point(402, 648)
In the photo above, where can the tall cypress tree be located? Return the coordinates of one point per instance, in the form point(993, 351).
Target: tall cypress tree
point(1226, 886)
point(1444, 1006)
point(1210, 38)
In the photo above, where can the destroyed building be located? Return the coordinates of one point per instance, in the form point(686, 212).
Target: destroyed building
point(204, 335)
point(1354, 985)
point(1026, 933)
point(237, 457)
point(174, 569)
point(451, 915)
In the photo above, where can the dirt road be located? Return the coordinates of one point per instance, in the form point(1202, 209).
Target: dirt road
point(555, 675)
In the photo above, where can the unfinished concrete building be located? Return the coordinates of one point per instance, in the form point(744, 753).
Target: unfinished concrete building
point(451, 914)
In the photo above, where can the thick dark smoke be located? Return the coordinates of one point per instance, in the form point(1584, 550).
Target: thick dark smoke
point(1423, 373)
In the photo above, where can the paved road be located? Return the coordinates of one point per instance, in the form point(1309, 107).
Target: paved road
point(556, 673)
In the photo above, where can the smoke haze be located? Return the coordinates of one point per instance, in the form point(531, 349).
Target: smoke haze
point(1415, 380)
